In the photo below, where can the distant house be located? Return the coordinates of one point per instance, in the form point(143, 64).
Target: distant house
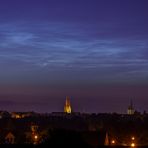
point(10, 138)
point(4, 114)
point(12, 131)
point(19, 115)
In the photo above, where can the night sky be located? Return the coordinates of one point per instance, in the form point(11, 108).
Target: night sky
point(95, 51)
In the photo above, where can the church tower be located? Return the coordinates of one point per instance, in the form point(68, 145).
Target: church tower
point(67, 106)
point(130, 110)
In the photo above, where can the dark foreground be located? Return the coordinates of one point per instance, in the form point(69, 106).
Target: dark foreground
point(61, 146)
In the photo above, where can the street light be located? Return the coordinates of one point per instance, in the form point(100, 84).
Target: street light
point(113, 142)
point(132, 144)
point(35, 137)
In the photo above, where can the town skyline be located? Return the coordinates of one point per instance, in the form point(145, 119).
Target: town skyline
point(68, 108)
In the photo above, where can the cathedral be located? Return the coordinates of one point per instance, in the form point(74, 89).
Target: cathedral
point(130, 110)
point(67, 106)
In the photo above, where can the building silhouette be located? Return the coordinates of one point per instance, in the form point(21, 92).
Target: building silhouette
point(67, 106)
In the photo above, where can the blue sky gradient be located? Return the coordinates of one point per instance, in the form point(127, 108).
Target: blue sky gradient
point(50, 49)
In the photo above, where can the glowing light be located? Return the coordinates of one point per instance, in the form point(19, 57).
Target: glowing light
point(67, 107)
point(132, 144)
point(17, 116)
point(133, 138)
point(35, 137)
point(113, 142)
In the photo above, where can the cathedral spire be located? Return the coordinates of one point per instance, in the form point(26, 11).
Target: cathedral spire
point(67, 106)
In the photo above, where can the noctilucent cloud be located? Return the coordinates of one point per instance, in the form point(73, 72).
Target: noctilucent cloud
point(95, 51)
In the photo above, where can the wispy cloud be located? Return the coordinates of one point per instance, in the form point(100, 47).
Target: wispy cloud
point(66, 46)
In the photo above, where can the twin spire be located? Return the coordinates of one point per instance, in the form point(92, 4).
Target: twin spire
point(68, 110)
point(130, 110)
